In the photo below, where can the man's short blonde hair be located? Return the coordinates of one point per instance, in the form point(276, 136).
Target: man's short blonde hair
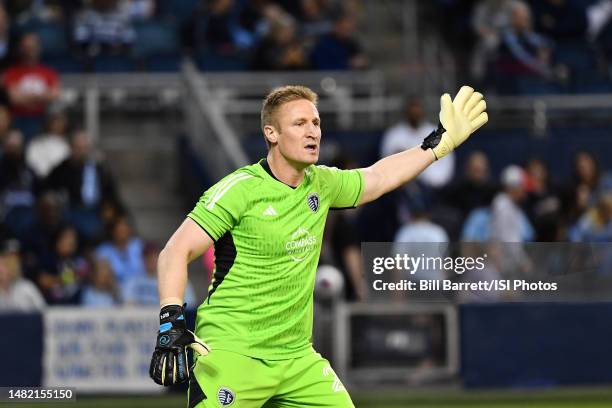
point(280, 96)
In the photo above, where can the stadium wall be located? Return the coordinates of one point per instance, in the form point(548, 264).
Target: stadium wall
point(502, 345)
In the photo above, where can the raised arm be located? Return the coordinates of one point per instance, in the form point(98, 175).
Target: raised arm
point(459, 118)
point(187, 243)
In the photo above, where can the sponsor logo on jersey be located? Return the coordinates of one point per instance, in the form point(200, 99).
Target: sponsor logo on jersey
point(313, 202)
point(164, 315)
point(164, 340)
point(225, 396)
point(301, 244)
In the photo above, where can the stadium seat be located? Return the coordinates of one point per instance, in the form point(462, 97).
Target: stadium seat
point(157, 46)
point(209, 60)
point(64, 63)
point(181, 10)
point(53, 39)
point(112, 63)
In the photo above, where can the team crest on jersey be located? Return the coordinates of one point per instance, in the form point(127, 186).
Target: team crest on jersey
point(313, 202)
point(226, 397)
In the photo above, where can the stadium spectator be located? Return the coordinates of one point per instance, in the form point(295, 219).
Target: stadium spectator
point(104, 28)
point(86, 182)
point(5, 125)
point(61, 276)
point(587, 184)
point(27, 11)
point(18, 185)
point(508, 221)
point(142, 290)
point(524, 56)
point(410, 132)
point(596, 224)
point(489, 19)
point(341, 245)
point(138, 10)
point(102, 290)
point(281, 49)
point(419, 236)
point(543, 203)
point(314, 18)
point(16, 293)
point(110, 209)
point(31, 87)
point(49, 149)
point(599, 17)
point(5, 38)
point(123, 251)
point(38, 239)
point(214, 26)
point(343, 250)
point(473, 190)
point(339, 50)
point(563, 20)
point(421, 229)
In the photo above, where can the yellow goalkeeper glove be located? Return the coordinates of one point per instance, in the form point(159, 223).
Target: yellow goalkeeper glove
point(458, 120)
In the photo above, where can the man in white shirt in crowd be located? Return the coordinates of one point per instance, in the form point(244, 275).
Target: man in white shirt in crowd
point(50, 148)
point(409, 132)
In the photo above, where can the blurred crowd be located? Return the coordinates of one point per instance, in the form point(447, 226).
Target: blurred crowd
point(526, 202)
point(531, 46)
point(65, 235)
point(154, 35)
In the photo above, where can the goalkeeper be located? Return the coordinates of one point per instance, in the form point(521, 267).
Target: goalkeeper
point(266, 222)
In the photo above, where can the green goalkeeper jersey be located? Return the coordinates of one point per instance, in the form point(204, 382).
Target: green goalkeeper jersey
point(268, 239)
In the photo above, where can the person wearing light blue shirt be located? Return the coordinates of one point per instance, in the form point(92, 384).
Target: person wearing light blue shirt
point(142, 289)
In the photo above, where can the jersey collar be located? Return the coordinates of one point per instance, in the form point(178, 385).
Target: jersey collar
point(264, 163)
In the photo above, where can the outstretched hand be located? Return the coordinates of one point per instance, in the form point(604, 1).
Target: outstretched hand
point(460, 118)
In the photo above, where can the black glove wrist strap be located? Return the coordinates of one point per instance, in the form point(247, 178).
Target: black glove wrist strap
point(172, 317)
point(433, 139)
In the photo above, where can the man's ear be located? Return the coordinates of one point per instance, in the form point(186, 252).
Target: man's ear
point(270, 134)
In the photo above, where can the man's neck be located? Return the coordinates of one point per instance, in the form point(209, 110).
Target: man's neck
point(284, 171)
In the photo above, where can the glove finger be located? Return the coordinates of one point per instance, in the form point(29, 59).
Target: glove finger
point(182, 369)
point(462, 97)
point(479, 121)
point(170, 368)
point(446, 108)
point(154, 372)
point(478, 109)
point(474, 99)
point(162, 369)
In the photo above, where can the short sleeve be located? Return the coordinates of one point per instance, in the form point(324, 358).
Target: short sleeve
point(345, 186)
point(221, 206)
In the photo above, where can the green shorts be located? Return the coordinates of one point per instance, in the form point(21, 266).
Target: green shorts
point(225, 379)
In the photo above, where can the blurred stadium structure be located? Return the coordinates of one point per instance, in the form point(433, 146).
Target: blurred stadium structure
point(172, 106)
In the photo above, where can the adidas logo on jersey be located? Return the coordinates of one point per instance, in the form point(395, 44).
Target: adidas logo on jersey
point(270, 211)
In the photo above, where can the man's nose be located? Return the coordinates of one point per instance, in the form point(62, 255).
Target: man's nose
point(311, 130)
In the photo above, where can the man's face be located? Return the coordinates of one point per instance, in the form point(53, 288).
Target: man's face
point(80, 147)
point(414, 113)
point(298, 132)
point(30, 48)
